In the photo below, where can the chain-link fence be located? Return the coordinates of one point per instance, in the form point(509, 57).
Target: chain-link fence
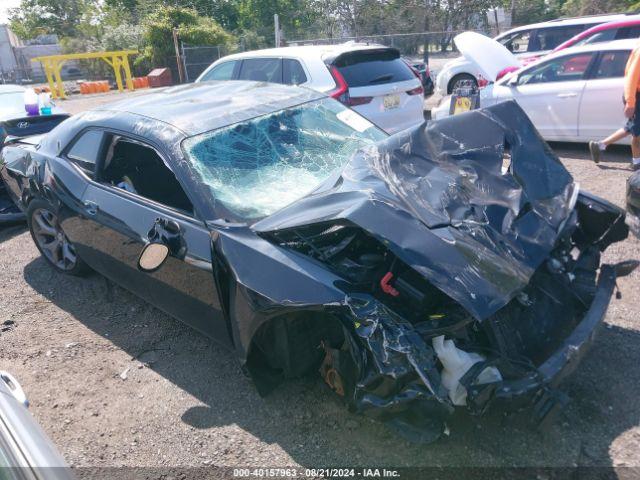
point(420, 46)
point(195, 59)
point(415, 45)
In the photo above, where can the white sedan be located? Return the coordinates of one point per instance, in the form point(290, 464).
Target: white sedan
point(574, 95)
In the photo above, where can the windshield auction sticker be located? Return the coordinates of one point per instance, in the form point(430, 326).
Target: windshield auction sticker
point(355, 121)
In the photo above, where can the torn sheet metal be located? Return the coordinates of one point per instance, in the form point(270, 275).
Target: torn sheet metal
point(417, 236)
point(489, 236)
point(397, 381)
point(438, 197)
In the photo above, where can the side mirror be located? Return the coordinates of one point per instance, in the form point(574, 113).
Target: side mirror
point(513, 80)
point(153, 256)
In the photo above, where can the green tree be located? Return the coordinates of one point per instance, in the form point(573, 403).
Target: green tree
point(157, 35)
point(296, 16)
point(593, 7)
point(61, 17)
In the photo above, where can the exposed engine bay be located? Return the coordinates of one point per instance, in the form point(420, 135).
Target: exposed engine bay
point(478, 287)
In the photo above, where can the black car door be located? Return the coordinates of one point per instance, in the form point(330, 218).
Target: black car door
point(134, 196)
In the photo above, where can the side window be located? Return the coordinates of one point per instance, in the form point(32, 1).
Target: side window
point(139, 169)
point(261, 70)
point(628, 32)
point(292, 73)
point(517, 42)
point(603, 36)
point(550, 38)
point(612, 64)
point(85, 151)
point(562, 69)
point(224, 71)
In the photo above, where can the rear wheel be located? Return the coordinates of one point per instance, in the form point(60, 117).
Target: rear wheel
point(459, 80)
point(51, 240)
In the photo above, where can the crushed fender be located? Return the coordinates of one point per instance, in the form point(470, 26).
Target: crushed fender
point(468, 228)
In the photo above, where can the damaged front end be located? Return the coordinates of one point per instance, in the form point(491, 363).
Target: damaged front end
point(470, 273)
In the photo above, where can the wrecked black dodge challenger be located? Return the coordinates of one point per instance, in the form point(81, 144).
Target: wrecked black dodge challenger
point(454, 265)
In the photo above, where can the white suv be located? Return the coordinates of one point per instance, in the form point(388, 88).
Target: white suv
point(371, 79)
point(526, 43)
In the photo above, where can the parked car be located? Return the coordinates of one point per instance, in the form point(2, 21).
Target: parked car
point(424, 74)
point(298, 234)
point(526, 43)
point(26, 453)
point(629, 28)
point(15, 124)
point(371, 79)
point(574, 95)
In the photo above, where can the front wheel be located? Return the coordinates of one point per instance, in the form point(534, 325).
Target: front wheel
point(51, 240)
point(459, 80)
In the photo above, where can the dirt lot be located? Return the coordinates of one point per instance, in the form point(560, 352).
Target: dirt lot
point(115, 382)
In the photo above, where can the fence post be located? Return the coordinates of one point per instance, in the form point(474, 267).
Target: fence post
point(276, 24)
point(184, 62)
point(178, 62)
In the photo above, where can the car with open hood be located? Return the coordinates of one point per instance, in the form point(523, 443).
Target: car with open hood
point(527, 43)
point(15, 124)
point(456, 265)
point(573, 95)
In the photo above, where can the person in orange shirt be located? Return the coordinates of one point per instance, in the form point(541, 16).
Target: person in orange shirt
point(631, 111)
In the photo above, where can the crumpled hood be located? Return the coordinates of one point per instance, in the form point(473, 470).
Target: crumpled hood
point(437, 197)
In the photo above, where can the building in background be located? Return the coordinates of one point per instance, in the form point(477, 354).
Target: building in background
point(16, 54)
point(10, 69)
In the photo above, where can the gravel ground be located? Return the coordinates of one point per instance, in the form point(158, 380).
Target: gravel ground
point(115, 382)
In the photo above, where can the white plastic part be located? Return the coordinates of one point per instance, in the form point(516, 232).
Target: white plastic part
point(455, 364)
point(30, 97)
point(45, 100)
point(489, 56)
point(14, 387)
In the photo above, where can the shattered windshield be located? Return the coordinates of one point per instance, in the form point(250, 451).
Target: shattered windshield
point(261, 165)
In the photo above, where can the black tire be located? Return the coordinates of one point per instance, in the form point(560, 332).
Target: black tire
point(51, 241)
point(461, 77)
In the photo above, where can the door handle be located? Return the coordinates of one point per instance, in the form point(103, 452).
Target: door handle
point(91, 207)
point(567, 95)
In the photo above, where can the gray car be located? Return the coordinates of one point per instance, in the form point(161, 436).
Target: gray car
point(26, 452)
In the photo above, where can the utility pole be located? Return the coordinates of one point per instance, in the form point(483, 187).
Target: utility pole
point(276, 25)
point(513, 14)
point(178, 61)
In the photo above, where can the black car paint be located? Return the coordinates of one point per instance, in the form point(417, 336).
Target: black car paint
point(232, 280)
point(13, 127)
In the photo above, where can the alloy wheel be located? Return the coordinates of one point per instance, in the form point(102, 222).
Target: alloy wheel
point(52, 241)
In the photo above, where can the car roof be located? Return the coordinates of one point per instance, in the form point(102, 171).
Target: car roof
point(627, 44)
point(629, 21)
point(205, 106)
point(319, 51)
point(563, 22)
